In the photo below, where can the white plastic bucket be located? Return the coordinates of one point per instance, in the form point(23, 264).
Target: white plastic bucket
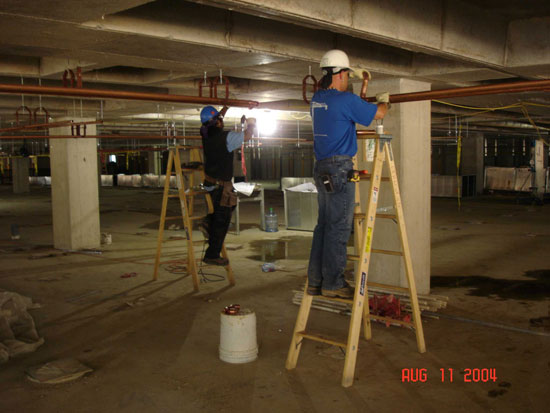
point(238, 337)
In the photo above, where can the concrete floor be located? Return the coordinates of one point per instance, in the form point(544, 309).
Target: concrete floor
point(154, 345)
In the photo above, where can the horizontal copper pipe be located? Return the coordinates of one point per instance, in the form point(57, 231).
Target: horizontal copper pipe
point(516, 87)
point(50, 125)
point(116, 94)
point(162, 137)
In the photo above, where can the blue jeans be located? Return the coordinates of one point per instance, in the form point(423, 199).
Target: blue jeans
point(328, 256)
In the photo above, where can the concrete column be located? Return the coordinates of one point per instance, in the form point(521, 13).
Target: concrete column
point(153, 166)
point(75, 198)
point(472, 158)
point(540, 168)
point(409, 124)
point(20, 175)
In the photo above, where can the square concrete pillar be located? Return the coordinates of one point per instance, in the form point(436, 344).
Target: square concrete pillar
point(472, 158)
point(409, 124)
point(153, 164)
point(540, 168)
point(75, 197)
point(20, 175)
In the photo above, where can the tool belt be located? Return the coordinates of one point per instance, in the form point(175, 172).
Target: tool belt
point(215, 181)
point(229, 196)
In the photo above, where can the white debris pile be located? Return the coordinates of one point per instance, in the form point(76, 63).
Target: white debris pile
point(18, 333)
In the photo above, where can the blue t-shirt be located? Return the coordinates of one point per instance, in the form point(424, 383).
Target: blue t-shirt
point(334, 115)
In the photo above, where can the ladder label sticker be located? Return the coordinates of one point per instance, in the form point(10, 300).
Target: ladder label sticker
point(375, 195)
point(369, 239)
point(363, 282)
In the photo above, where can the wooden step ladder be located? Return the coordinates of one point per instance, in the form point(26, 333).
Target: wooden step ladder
point(364, 231)
point(186, 181)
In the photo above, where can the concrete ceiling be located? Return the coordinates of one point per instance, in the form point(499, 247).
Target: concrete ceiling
point(266, 47)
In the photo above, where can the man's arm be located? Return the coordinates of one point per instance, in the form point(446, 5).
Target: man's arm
point(223, 111)
point(249, 131)
point(381, 111)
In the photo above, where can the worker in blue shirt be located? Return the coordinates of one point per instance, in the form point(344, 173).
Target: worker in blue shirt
point(334, 112)
point(218, 146)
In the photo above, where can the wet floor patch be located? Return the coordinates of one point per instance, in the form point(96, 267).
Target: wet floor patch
point(535, 287)
point(269, 250)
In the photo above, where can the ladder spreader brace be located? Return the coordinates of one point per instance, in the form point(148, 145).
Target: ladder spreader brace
point(364, 231)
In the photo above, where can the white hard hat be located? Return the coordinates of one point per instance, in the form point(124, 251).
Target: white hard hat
point(336, 59)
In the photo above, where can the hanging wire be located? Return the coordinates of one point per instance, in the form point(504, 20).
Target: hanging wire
point(22, 95)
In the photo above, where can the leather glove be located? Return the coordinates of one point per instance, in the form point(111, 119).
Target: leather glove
point(383, 97)
point(356, 73)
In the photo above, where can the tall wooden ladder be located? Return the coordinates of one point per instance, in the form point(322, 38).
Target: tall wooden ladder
point(364, 231)
point(186, 182)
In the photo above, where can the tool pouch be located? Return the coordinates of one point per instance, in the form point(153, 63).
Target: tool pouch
point(229, 196)
point(327, 182)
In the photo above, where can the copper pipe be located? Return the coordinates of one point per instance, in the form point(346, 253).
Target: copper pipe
point(115, 94)
point(16, 137)
point(50, 125)
point(367, 132)
point(516, 87)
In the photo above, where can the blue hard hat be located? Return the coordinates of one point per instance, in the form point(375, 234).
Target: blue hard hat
point(207, 113)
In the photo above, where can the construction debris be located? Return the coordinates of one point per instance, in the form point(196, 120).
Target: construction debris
point(18, 333)
point(58, 371)
point(383, 302)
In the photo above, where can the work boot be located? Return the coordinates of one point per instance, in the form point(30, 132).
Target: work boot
point(346, 291)
point(216, 261)
point(312, 290)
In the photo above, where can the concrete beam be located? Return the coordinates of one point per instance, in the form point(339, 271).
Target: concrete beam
point(19, 66)
point(54, 66)
point(447, 28)
point(61, 10)
point(529, 45)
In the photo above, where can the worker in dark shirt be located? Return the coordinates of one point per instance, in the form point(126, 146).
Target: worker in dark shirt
point(218, 146)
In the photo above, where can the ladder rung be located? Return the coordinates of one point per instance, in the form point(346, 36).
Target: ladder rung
point(368, 177)
point(173, 195)
point(353, 257)
point(317, 337)
point(389, 287)
point(341, 300)
point(362, 215)
point(391, 320)
point(387, 252)
point(197, 217)
point(191, 170)
point(172, 218)
point(192, 193)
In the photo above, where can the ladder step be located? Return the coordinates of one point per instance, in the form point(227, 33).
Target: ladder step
point(389, 287)
point(368, 178)
point(191, 170)
point(173, 195)
point(192, 218)
point(386, 216)
point(391, 320)
point(321, 339)
point(200, 192)
point(353, 257)
point(387, 252)
point(197, 217)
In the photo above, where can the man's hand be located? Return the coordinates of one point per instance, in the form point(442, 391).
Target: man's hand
point(250, 128)
point(383, 97)
point(361, 74)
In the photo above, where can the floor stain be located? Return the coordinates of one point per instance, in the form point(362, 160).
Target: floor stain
point(535, 288)
point(269, 250)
